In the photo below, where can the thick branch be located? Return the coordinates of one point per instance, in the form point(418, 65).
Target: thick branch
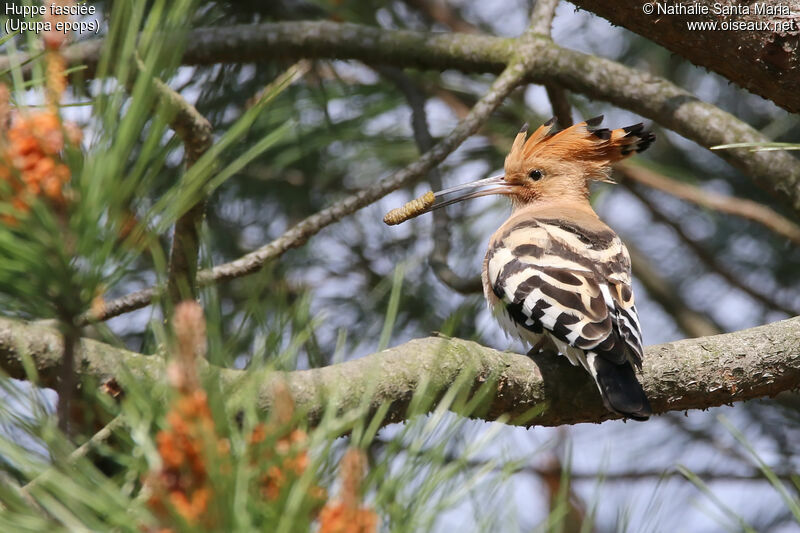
point(650, 96)
point(763, 60)
point(688, 374)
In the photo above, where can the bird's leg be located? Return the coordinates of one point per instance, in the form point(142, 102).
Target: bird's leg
point(533, 352)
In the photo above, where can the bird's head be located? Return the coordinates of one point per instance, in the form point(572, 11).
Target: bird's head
point(551, 166)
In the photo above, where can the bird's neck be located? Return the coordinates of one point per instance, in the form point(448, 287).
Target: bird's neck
point(577, 206)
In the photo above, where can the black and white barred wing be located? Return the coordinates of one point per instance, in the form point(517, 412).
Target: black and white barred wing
point(555, 278)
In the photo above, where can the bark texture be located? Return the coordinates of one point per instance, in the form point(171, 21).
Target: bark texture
point(762, 57)
point(689, 374)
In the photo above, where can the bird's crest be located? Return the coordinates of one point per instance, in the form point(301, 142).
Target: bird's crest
point(595, 149)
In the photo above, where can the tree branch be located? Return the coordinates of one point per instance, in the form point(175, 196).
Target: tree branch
point(195, 132)
point(66, 385)
point(765, 61)
point(705, 257)
point(688, 374)
point(562, 109)
point(650, 96)
point(508, 80)
point(438, 258)
point(544, 11)
point(731, 205)
point(542, 15)
point(625, 476)
point(692, 323)
point(296, 236)
point(119, 306)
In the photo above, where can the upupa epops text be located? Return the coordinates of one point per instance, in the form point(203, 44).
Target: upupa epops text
point(555, 275)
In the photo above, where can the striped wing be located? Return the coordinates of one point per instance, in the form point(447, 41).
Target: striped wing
point(558, 277)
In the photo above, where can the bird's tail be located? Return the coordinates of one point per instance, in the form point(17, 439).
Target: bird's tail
point(621, 391)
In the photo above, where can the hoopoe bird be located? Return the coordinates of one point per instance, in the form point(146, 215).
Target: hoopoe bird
point(555, 275)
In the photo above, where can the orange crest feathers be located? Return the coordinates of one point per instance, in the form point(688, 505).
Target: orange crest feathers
point(596, 149)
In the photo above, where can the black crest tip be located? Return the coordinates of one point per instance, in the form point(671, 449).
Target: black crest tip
point(524, 128)
point(604, 134)
point(592, 122)
point(550, 122)
point(635, 129)
point(645, 142)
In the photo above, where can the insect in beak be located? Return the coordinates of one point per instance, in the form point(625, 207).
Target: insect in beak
point(431, 201)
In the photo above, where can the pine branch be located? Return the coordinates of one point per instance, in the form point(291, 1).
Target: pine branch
point(688, 374)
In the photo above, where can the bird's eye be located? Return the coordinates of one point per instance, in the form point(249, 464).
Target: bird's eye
point(535, 175)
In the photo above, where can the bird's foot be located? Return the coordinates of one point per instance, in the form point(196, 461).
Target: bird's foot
point(537, 348)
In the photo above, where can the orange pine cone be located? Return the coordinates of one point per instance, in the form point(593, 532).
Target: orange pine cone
point(346, 515)
point(339, 518)
point(183, 479)
point(30, 160)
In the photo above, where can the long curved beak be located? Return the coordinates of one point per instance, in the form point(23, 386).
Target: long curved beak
point(467, 191)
